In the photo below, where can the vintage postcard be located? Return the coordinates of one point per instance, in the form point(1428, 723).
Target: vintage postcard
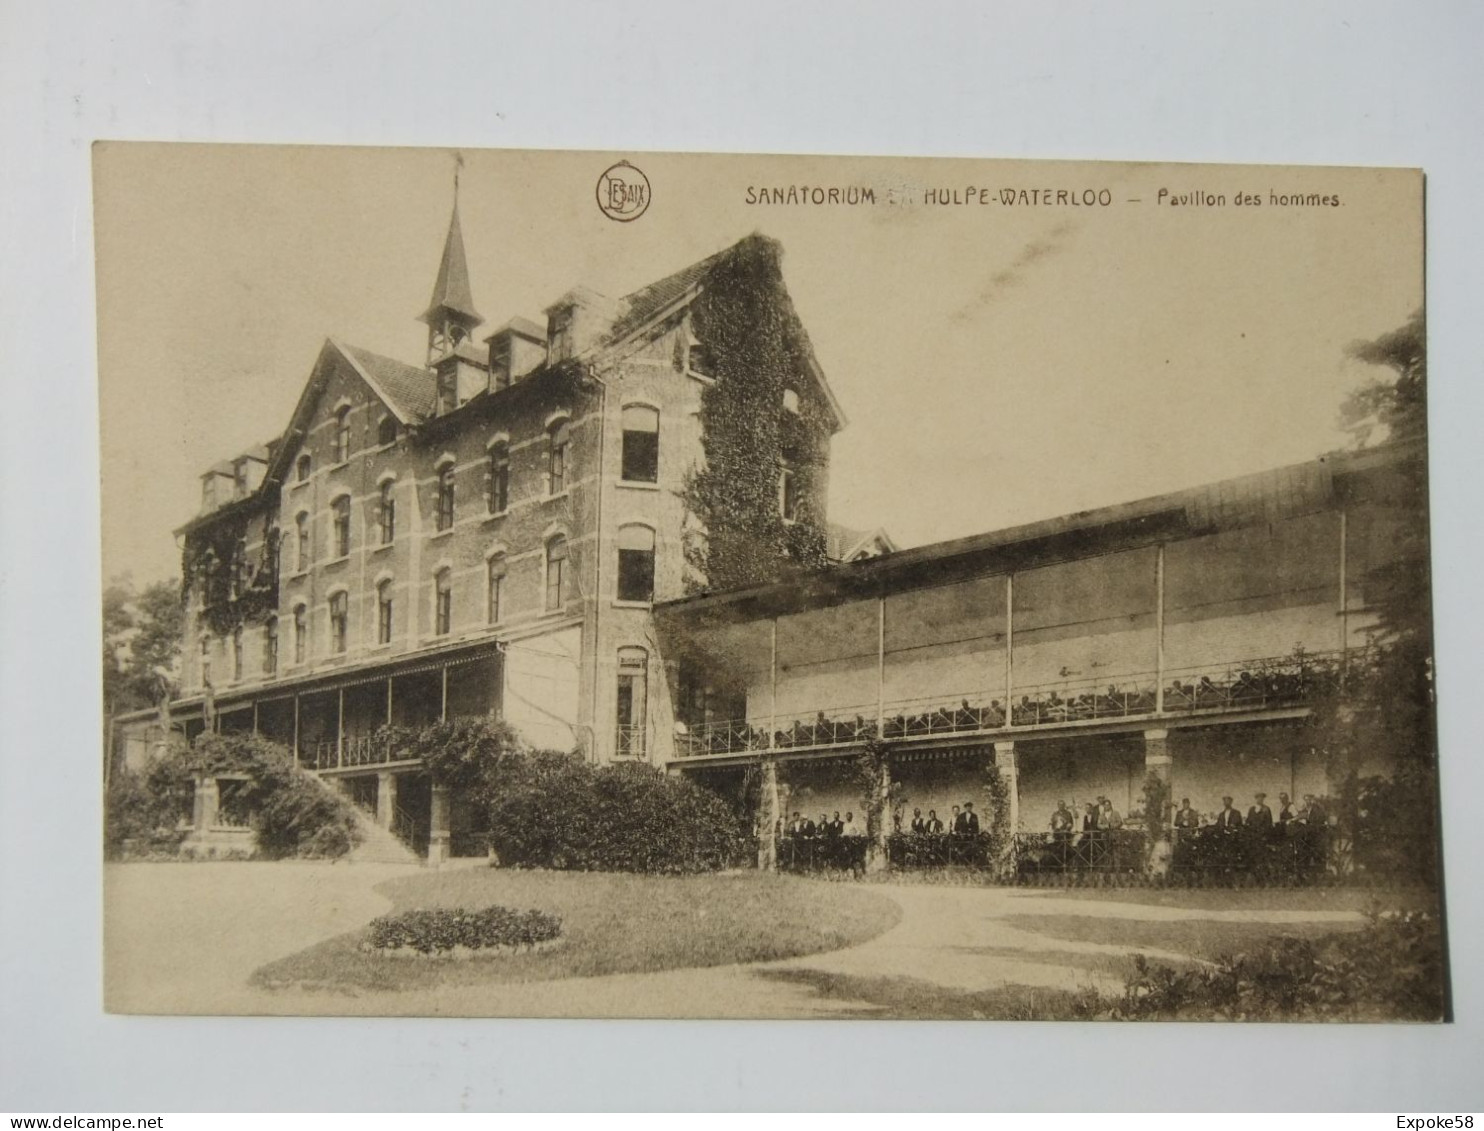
point(677, 585)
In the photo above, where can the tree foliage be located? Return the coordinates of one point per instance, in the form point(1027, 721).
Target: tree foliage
point(141, 643)
point(1397, 405)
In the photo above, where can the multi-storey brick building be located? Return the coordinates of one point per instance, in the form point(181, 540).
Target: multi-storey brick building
point(486, 534)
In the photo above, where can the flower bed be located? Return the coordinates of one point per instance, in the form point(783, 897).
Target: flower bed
point(460, 933)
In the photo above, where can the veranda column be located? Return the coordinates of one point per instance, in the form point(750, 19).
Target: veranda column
point(1009, 766)
point(767, 818)
point(386, 798)
point(438, 830)
point(1158, 763)
point(879, 817)
point(207, 804)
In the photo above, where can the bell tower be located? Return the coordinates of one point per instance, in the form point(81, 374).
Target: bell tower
point(451, 317)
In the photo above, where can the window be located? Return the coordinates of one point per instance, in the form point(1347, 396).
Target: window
point(386, 431)
point(500, 362)
point(556, 573)
point(701, 362)
point(635, 563)
point(559, 335)
point(302, 466)
point(342, 434)
point(386, 512)
point(448, 390)
point(788, 494)
point(238, 567)
point(496, 586)
point(301, 634)
point(499, 478)
point(443, 602)
point(384, 613)
point(445, 498)
point(341, 509)
point(339, 620)
point(205, 661)
point(237, 653)
point(270, 646)
point(641, 444)
point(791, 401)
point(301, 541)
point(558, 440)
point(633, 669)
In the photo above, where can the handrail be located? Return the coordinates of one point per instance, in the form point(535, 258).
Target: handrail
point(1222, 686)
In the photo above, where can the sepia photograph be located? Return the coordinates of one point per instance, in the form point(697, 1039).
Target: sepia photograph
point(579, 584)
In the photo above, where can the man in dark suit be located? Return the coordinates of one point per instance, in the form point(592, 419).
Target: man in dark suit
point(1186, 817)
point(837, 826)
point(1259, 818)
point(969, 820)
point(823, 827)
point(796, 826)
point(1229, 819)
point(1285, 811)
point(955, 821)
point(932, 824)
point(918, 824)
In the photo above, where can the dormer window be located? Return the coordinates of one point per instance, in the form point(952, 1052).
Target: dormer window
point(448, 389)
point(500, 351)
point(559, 335)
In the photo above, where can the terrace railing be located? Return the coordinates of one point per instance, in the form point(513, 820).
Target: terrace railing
point(361, 750)
point(1236, 686)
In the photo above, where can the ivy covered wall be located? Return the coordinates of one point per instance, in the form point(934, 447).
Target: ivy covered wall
point(745, 321)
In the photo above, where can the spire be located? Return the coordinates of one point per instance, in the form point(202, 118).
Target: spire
point(451, 316)
point(451, 292)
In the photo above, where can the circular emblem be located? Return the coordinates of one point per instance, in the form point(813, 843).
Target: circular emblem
point(623, 192)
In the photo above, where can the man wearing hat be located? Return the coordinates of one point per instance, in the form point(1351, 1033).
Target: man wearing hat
point(1229, 819)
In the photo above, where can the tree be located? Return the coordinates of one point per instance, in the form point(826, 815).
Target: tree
point(141, 643)
point(1400, 404)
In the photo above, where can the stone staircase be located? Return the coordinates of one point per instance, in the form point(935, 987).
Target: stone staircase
point(378, 845)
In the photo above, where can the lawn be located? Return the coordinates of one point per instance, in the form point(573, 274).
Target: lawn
point(612, 924)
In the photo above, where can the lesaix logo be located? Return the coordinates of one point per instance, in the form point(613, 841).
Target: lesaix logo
point(623, 192)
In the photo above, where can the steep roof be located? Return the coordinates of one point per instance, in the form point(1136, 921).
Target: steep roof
point(408, 389)
point(451, 291)
point(843, 541)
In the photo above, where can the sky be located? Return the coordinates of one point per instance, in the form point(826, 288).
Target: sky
point(998, 363)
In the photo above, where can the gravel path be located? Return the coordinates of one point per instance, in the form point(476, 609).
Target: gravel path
point(184, 938)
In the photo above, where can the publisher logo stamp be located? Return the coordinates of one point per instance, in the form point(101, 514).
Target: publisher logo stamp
point(623, 192)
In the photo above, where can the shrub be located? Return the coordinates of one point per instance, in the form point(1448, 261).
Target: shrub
point(553, 810)
point(293, 815)
point(441, 930)
point(1392, 970)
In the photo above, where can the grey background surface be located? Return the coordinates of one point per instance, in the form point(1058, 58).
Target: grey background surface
point(1356, 83)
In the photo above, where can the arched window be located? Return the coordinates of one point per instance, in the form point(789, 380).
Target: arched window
point(302, 467)
point(556, 573)
point(641, 444)
point(339, 621)
point(270, 646)
point(558, 441)
point(386, 431)
point(341, 509)
point(499, 478)
point(386, 512)
point(445, 497)
point(301, 541)
point(301, 633)
point(495, 585)
point(237, 652)
point(443, 602)
point(633, 694)
point(384, 613)
point(342, 434)
point(635, 563)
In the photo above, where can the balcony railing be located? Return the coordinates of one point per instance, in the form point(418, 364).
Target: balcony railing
point(1241, 685)
point(363, 750)
point(630, 740)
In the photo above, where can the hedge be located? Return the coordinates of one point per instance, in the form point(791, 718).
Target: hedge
point(443, 930)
